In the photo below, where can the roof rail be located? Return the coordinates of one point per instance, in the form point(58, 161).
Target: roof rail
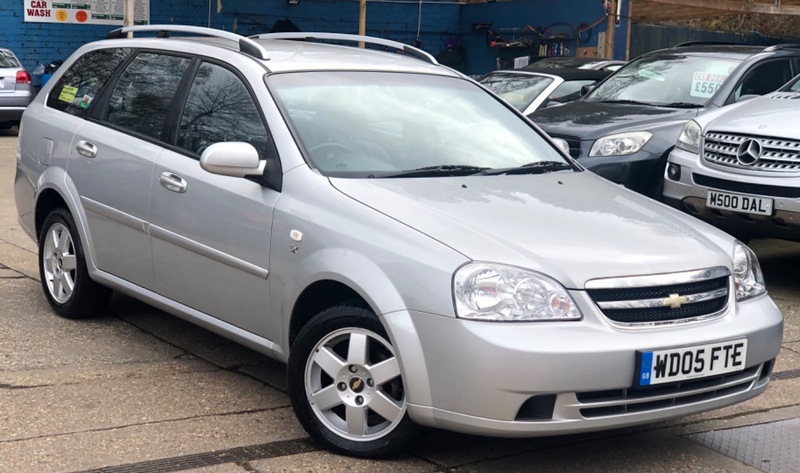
point(780, 47)
point(707, 43)
point(408, 50)
point(246, 45)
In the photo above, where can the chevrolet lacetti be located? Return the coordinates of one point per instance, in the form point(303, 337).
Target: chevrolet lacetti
point(414, 249)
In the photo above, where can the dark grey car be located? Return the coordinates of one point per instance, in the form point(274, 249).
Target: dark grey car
point(625, 128)
point(16, 91)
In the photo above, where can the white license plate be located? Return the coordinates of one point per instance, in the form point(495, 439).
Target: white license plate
point(678, 364)
point(739, 203)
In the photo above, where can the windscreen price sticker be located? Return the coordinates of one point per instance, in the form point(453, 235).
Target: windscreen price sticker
point(706, 84)
point(678, 364)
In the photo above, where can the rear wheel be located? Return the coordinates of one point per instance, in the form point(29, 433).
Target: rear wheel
point(346, 387)
point(62, 270)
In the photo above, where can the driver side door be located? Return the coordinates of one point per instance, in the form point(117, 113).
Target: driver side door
point(211, 233)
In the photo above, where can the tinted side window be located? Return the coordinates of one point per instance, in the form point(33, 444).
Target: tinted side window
point(219, 108)
point(142, 96)
point(81, 84)
point(765, 78)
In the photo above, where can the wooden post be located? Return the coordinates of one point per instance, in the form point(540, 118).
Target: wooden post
point(612, 16)
point(630, 25)
point(362, 21)
point(127, 18)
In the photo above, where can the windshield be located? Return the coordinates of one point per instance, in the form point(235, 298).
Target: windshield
point(665, 80)
point(519, 90)
point(569, 91)
point(361, 124)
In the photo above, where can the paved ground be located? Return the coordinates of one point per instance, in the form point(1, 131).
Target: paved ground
point(139, 390)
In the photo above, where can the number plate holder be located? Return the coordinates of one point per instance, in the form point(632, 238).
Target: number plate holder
point(692, 362)
point(739, 202)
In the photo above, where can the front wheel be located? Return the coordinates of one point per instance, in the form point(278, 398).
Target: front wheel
point(62, 270)
point(346, 387)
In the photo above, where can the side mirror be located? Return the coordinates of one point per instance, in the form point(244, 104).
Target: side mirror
point(586, 89)
point(232, 158)
point(561, 144)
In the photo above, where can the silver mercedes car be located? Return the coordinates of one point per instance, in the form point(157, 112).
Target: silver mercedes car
point(739, 169)
point(417, 251)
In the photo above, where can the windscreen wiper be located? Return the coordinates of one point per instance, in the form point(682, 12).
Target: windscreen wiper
point(430, 171)
point(679, 105)
point(627, 102)
point(538, 167)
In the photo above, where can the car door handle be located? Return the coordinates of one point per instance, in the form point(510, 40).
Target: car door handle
point(172, 182)
point(86, 149)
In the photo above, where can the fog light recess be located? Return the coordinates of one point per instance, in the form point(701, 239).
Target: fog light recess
point(673, 172)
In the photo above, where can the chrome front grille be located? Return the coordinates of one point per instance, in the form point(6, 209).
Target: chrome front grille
point(632, 400)
point(662, 299)
point(777, 154)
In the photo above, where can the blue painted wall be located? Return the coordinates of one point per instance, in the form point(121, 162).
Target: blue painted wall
point(557, 20)
point(41, 43)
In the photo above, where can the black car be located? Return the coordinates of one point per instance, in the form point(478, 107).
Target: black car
point(626, 127)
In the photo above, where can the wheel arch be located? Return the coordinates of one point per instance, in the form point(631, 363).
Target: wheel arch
point(317, 297)
point(56, 189)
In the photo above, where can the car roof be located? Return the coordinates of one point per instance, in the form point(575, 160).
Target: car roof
point(734, 51)
point(288, 52)
point(289, 55)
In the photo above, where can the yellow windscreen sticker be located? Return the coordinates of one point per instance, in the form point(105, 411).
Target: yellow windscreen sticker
point(68, 94)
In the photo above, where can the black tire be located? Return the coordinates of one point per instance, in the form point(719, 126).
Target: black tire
point(86, 298)
point(344, 322)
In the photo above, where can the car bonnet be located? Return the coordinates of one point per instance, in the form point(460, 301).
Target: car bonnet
point(591, 120)
point(776, 114)
point(572, 226)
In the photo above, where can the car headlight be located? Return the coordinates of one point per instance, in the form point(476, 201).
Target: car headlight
point(485, 291)
point(689, 139)
point(620, 144)
point(747, 275)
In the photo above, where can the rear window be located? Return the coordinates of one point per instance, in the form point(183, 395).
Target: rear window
point(8, 60)
point(82, 82)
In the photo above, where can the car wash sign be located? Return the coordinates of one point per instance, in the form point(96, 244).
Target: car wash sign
point(90, 12)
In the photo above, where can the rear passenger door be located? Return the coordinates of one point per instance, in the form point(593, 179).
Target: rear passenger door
point(112, 160)
point(211, 233)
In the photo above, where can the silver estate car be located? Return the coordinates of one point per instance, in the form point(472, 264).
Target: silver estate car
point(417, 251)
point(16, 91)
point(740, 170)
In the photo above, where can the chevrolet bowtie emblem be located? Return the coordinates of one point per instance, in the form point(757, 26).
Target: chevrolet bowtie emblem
point(674, 301)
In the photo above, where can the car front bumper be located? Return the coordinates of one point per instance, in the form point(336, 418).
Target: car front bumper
point(638, 171)
point(547, 378)
point(685, 193)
